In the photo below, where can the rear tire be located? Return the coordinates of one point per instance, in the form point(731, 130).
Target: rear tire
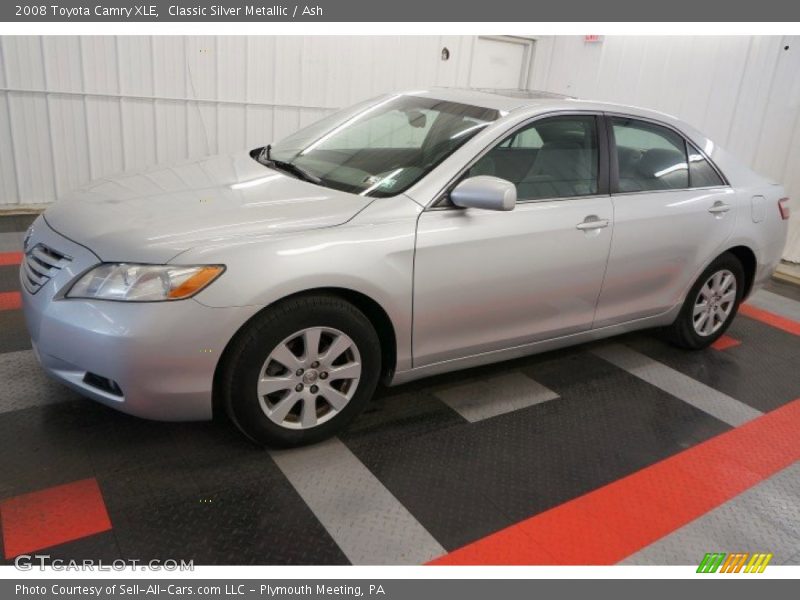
point(710, 305)
point(301, 371)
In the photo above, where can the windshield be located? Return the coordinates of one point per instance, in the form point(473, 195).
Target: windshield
point(380, 147)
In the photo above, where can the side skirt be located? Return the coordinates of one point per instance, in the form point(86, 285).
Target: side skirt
point(485, 358)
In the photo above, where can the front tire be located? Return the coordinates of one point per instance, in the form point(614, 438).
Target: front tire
point(710, 306)
point(301, 371)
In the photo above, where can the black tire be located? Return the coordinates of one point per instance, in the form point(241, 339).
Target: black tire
point(682, 332)
point(251, 348)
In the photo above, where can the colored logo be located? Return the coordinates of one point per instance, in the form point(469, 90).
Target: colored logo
point(744, 562)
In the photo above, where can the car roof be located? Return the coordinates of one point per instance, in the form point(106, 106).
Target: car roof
point(535, 101)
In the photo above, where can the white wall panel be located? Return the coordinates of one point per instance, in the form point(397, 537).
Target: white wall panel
point(170, 80)
point(24, 63)
point(30, 130)
point(62, 63)
point(8, 177)
point(69, 142)
point(139, 134)
point(231, 127)
point(753, 95)
point(289, 75)
point(76, 108)
point(170, 66)
point(259, 125)
point(285, 121)
point(260, 61)
point(99, 64)
point(104, 136)
point(136, 66)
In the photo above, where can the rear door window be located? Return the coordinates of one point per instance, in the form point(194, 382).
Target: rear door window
point(649, 157)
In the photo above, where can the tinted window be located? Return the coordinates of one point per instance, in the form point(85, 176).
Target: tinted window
point(527, 138)
point(383, 146)
point(553, 158)
point(701, 173)
point(649, 157)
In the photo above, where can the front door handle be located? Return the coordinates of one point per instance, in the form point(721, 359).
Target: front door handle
point(592, 222)
point(719, 208)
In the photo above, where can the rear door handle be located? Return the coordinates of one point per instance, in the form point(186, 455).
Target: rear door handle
point(719, 208)
point(592, 222)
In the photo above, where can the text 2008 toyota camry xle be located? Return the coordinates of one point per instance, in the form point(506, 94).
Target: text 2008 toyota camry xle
point(409, 235)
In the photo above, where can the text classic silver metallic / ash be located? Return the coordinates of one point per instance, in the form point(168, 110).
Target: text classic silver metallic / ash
point(412, 234)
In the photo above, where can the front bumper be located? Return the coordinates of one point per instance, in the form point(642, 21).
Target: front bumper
point(154, 360)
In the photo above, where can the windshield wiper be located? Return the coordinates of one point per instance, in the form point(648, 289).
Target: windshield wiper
point(295, 170)
point(282, 165)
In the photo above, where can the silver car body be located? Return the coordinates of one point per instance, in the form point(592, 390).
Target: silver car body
point(459, 287)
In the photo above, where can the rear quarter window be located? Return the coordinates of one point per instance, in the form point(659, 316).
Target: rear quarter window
point(701, 173)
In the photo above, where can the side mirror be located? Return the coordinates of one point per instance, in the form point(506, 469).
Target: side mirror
point(485, 192)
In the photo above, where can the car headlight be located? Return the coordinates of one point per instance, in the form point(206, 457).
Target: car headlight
point(143, 283)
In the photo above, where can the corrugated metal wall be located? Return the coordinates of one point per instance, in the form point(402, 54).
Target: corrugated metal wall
point(743, 92)
point(75, 108)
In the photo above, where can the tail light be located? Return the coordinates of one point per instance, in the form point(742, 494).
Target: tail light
point(783, 206)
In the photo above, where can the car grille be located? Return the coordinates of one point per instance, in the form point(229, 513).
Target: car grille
point(41, 263)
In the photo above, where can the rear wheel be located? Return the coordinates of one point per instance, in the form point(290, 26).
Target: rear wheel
point(301, 371)
point(710, 305)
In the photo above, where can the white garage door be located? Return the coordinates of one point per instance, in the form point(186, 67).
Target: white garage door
point(501, 63)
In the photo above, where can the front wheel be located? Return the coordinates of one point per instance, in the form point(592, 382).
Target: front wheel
point(710, 306)
point(301, 371)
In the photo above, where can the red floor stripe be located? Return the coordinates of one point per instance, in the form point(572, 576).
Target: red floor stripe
point(10, 300)
point(52, 516)
point(10, 258)
point(769, 318)
point(725, 342)
point(613, 522)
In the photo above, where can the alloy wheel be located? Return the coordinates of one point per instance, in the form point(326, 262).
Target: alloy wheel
point(714, 303)
point(309, 377)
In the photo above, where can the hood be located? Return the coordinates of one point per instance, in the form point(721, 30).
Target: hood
point(153, 215)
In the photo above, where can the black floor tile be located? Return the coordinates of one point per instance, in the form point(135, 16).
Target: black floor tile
point(761, 372)
point(9, 278)
point(123, 442)
point(226, 503)
point(39, 448)
point(465, 482)
point(259, 521)
point(16, 222)
point(13, 333)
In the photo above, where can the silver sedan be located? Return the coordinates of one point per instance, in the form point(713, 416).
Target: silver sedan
point(412, 234)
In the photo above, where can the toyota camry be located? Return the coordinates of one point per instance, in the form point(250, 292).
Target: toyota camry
point(409, 235)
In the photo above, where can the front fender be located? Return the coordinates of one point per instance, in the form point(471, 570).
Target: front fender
point(373, 255)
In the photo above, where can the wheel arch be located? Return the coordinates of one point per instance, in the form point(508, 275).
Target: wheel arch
point(372, 309)
point(749, 262)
